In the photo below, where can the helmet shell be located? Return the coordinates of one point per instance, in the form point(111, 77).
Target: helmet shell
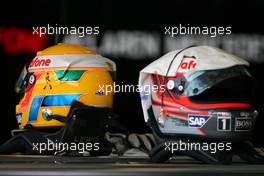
point(169, 83)
point(59, 75)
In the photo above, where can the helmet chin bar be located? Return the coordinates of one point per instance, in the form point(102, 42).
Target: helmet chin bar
point(240, 146)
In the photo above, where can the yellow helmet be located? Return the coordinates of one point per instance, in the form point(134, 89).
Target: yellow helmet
point(56, 77)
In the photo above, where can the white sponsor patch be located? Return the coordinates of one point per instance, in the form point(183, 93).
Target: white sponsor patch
point(197, 121)
point(71, 60)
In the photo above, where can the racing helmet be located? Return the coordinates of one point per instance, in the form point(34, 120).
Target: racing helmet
point(56, 77)
point(199, 92)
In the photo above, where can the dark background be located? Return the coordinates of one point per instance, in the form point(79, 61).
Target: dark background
point(244, 17)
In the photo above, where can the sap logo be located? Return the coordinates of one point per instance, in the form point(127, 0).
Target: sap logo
point(189, 62)
point(197, 120)
point(40, 63)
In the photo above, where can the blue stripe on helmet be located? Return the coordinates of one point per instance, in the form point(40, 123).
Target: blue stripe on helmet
point(60, 100)
point(34, 108)
point(50, 100)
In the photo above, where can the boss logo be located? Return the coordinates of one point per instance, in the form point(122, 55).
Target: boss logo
point(244, 124)
point(197, 120)
point(40, 62)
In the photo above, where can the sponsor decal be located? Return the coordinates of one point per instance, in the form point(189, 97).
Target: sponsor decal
point(189, 63)
point(223, 121)
point(244, 122)
point(99, 93)
point(47, 79)
point(197, 121)
point(40, 62)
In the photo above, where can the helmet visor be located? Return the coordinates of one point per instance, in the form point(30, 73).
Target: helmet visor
point(25, 79)
point(198, 82)
point(21, 83)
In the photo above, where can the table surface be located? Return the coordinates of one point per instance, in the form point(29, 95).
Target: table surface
point(130, 166)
